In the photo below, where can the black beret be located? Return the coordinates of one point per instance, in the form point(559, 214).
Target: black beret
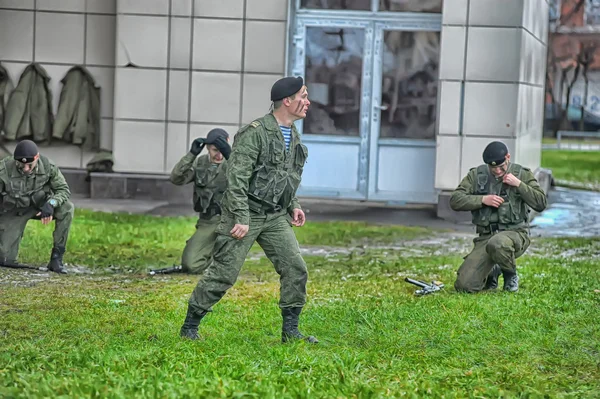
point(286, 87)
point(214, 134)
point(495, 153)
point(26, 151)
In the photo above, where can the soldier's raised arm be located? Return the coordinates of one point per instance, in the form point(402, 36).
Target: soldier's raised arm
point(531, 192)
point(183, 171)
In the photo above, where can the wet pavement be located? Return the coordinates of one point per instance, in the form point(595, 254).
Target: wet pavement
point(570, 213)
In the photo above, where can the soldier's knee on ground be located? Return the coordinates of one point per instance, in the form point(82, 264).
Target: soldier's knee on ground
point(463, 284)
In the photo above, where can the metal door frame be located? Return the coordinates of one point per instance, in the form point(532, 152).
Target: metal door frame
point(375, 143)
point(374, 23)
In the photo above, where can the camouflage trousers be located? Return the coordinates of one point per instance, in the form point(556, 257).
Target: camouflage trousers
point(275, 235)
point(12, 227)
point(198, 249)
point(502, 248)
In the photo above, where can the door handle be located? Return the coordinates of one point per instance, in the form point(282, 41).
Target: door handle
point(382, 107)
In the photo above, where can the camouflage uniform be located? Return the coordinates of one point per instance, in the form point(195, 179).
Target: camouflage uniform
point(23, 195)
point(262, 181)
point(503, 232)
point(209, 186)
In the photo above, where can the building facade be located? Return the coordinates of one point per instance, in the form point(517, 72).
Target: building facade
point(573, 81)
point(405, 93)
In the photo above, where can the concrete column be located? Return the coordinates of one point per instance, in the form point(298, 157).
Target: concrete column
point(492, 69)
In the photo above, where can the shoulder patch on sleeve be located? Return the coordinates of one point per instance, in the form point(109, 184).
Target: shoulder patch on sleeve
point(250, 126)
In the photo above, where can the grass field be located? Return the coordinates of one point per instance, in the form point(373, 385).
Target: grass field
point(106, 335)
point(578, 169)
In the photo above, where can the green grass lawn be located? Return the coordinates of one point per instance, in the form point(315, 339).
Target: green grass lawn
point(116, 336)
point(140, 242)
point(574, 168)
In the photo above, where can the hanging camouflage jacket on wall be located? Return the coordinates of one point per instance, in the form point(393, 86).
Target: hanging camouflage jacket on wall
point(78, 117)
point(29, 109)
point(6, 87)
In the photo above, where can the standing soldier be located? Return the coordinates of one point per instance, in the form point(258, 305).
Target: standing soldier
point(208, 175)
point(32, 187)
point(264, 172)
point(498, 195)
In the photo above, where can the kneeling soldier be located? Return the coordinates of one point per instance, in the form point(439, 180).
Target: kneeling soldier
point(498, 194)
point(208, 175)
point(32, 187)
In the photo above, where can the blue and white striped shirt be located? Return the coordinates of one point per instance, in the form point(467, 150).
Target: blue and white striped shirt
point(287, 135)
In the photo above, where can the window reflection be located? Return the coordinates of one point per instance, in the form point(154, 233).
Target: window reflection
point(411, 5)
point(409, 84)
point(337, 4)
point(333, 78)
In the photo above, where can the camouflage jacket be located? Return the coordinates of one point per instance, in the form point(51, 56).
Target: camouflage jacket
point(209, 182)
point(21, 191)
point(263, 176)
point(480, 182)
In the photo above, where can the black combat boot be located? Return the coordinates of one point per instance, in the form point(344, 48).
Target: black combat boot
point(492, 280)
point(189, 329)
point(511, 281)
point(56, 264)
point(289, 330)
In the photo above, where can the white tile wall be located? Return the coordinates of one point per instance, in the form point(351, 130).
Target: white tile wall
point(454, 12)
point(106, 136)
point(65, 155)
point(493, 54)
point(447, 171)
point(61, 5)
point(177, 144)
point(526, 57)
point(496, 13)
point(215, 97)
point(264, 47)
point(540, 28)
point(181, 7)
point(452, 53)
point(133, 135)
point(219, 8)
point(102, 6)
point(143, 7)
point(181, 30)
point(24, 4)
point(490, 109)
point(211, 37)
point(16, 31)
point(450, 107)
point(100, 47)
point(267, 9)
point(59, 37)
point(178, 95)
point(144, 38)
point(140, 93)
